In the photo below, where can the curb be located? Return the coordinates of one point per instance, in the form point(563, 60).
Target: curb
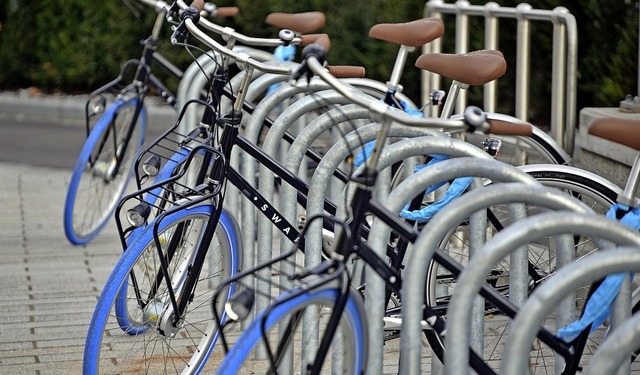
point(68, 110)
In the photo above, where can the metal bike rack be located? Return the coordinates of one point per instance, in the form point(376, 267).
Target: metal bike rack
point(266, 176)
point(252, 131)
point(437, 229)
point(624, 340)
point(434, 142)
point(582, 272)
point(294, 161)
point(481, 164)
point(396, 152)
point(565, 60)
point(520, 233)
point(296, 153)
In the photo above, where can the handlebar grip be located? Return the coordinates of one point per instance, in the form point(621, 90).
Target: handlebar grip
point(227, 11)
point(198, 4)
point(500, 127)
point(346, 71)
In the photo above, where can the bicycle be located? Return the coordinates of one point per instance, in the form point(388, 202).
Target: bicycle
point(178, 219)
point(242, 352)
point(115, 133)
point(170, 304)
point(236, 307)
point(153, 240)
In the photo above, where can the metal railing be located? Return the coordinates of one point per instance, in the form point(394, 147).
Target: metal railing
point(564, 58)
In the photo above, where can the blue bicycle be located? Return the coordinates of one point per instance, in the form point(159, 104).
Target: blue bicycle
point(115, 133)
point(116, 122)
point(180, 245)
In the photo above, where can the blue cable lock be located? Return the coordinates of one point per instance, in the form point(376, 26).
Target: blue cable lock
point(598, 307)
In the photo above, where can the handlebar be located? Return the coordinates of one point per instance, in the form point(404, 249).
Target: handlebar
point(230, 33)
point(473, 118)
point(224, 11)
point(376, 106)
point(191, 17)
point(189, 20)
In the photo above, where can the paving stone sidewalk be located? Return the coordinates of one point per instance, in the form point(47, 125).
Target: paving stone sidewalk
point(48, 287)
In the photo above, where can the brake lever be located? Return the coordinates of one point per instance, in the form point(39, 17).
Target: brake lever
point(180, 31)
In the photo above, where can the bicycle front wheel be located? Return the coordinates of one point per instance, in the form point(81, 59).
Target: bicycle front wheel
point(103, 169)
point(247, 356)
point(131, 331)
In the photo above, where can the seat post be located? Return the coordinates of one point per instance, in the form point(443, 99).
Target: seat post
point(401, 59)
point(450, 102)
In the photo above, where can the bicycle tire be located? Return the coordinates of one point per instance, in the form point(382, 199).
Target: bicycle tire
point(354, 332)
point(588, 190)
point(93, 192)
point(128, 336)
point(538, 148)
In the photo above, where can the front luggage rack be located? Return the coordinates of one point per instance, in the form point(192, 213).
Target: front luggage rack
point(180, 167)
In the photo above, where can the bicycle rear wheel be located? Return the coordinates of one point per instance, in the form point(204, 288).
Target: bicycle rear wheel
point(103, 169)
point(542, 264)
point(243, 358)
point(131, 330)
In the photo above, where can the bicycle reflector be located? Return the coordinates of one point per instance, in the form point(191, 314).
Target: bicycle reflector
point(138, 215)
point(239, 305)
point(152, 165)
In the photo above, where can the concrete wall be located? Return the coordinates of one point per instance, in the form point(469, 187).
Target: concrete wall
point(603, 157)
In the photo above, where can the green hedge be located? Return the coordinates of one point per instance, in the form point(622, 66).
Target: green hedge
point(78, 45)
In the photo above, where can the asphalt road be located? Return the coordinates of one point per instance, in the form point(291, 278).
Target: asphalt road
point(46, 144)
point(39, 144)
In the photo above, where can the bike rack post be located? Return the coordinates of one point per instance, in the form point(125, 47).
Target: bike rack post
point(266, 178)
point(581, 272)
point(254, 126)
point(520, 233)
point(248, 167)
point(622, 342)
point(293, 162)
point(437, 229)
point(252, 131)
point(564, 59)
point(391, 154)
